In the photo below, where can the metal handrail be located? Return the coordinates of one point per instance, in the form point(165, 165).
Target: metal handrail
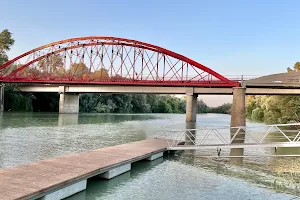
point(240, 138)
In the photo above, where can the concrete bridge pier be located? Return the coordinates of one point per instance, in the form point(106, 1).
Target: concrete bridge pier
point(68, 102)
point(191, 117)
point(238, 118)
point(1, 98)
point(191, 107)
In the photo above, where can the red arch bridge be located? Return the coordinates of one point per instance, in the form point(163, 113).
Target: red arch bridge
point(118, 65)
point(109, 61)
point(107, 64)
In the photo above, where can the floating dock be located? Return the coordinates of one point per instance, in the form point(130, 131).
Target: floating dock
point(58, 178)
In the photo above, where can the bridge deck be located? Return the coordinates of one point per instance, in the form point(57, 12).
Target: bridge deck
point(252, 89)
point(36, 179)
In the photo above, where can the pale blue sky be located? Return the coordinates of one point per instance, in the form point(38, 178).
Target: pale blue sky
point(233, 37)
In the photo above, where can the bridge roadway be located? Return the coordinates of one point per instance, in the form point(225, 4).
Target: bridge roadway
point(251, 89)
point(58, 178)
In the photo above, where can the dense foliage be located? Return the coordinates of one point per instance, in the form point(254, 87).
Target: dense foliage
point(131, 103)
point(104, 103)
point(16, 101)
point(225, 109)
point(140, 103)
point(274, 109)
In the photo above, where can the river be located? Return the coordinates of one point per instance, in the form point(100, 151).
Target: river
point(30, 137)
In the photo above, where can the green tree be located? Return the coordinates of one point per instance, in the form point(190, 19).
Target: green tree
point(182, 105)
point(139, 103)
point(257, 114)
point(152, 100)
point(164, 107)
point(89, 102)
point(6, 41)
point(223, 109)
point(16, 101)
point(296, 67)
point(123, 103)
point(250, 105)
point(202, 107)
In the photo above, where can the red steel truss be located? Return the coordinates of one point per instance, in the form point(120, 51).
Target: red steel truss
point(109, 60)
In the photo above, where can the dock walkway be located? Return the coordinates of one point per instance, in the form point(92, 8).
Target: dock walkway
point(63, 176)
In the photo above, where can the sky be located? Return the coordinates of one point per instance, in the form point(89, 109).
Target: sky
point(232, 37)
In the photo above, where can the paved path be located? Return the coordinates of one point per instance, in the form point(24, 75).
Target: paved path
point(34, 179)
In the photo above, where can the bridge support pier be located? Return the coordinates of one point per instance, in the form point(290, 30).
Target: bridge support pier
point(191, 107)
point(68, 102)
point(238, 118)
point(191, 117)
point(1, 98)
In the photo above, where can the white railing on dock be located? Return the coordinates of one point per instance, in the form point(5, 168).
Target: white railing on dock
point(275, 135)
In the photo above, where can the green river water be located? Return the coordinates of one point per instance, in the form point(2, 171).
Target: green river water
point(30, 137)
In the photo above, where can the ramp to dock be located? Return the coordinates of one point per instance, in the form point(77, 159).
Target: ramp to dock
point(53, 176)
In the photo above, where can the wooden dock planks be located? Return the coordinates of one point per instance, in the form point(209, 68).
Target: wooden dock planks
point(35, 179)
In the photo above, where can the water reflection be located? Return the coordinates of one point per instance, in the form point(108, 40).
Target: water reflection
point(172, 180)
point(67, 119)
point(236, 155)
point(39, 119)
point(284, 164)
point(1, 119)
point(96, 118)
point(29, 137)
point(78, 196)
point(97, 187)
point(190, 136)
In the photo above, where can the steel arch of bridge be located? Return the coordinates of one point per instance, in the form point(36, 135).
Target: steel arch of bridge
point(110, 61)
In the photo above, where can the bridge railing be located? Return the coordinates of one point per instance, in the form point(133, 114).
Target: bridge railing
point(240, 78)
point(276, 135)
point(208, 77)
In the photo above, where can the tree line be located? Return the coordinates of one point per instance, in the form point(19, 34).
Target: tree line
point(105, 103)
point(272, 109)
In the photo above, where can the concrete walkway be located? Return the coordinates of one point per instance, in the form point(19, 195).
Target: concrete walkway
point(47, 176)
